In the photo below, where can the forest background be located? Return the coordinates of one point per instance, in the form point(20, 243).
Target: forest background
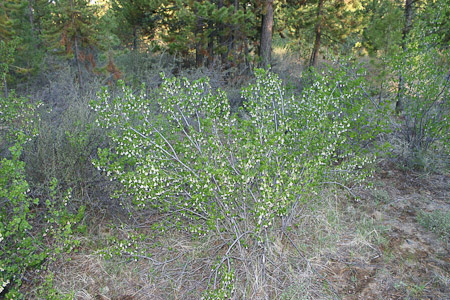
point(200, 142)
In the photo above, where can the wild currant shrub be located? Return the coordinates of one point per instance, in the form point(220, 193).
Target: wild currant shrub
point(17, 249)
point(30, 231)
point(349, 122)
point(425, 70)
point(211, 170)
point(426, 108)
point(18, 116)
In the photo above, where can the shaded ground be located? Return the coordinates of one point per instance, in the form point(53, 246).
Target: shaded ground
point(342, 248)
point(410, 262)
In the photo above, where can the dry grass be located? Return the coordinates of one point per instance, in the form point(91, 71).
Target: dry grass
point(337, 247)
point(177, 265)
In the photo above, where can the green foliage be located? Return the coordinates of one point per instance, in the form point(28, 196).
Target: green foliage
point(223, 287)
point(140, 16)
point(6, 59)
point(17, 117)
point(61, 222)
point(383, 33)
point(434, 23)
point(426, 112)
point(19, 29)
point(211, 170)
point(22, 246)
point(70, 22)
point(341, 21)
point(347, 118)
point(437, 222)
point(30, 231)
point(17, 249)
point(47, 290)
point(213, 29)
point(129, 246)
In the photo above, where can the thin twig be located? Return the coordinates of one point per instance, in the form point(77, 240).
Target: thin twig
point(154, 261)
point(341, 185)
point(225, 257)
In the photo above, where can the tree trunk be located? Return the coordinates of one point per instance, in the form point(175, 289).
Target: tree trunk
point(221, 38)
point(265, 50)
point(232, 39)
point(5, 86)
point(406, 29)
point(77, 61)
point(318, 35)
point(198, 44)
point(210, 60)
point(76, 48)
point(135, 37)
point(31, 18)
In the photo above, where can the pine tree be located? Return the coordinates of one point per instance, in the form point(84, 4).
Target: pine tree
point(7, 8)
point(138, 17)
point(266, 33)
point(17, 24)
point(322, 23)
point(383, 30)
point(70, 30)
point(212, 30)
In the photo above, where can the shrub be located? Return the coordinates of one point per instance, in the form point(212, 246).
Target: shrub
point(17, 249)
point(212, 171)
point(426, 107)
point(63, 149)
point(18, 116)
point(30, 230)
point(424, 86)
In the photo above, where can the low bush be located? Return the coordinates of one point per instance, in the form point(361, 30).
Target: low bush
point(243, 178)
point(423, 100)
point(63, 150)
point(31, 231)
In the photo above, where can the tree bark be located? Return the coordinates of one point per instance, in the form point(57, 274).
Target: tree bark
point(5, 86)
point(77, 50)
point(77, 61)
point(198, 44)
point(210, 60)
point(406, 29)
point(221, 38)
point(232, 39)
point(135, 38)
point(318, 35)
point(31, 18)
point(265, 50)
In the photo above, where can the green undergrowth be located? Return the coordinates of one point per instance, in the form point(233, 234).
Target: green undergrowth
point(437, 222)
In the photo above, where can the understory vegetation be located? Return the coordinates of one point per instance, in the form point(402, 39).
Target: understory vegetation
point(173, 150)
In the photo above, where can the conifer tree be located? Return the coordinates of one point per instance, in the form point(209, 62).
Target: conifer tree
point(70, 30)
point(214, 30)
point(6, 23)
point(17, 24)
point(137, 17)
point(318, 23)
point(383, 30)
point(266, 33)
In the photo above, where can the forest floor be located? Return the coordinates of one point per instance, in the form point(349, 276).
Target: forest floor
point(412, 262)
point(370, 247)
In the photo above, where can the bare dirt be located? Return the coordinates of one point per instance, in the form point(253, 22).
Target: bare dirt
point(376, 250)
point(410, 262)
